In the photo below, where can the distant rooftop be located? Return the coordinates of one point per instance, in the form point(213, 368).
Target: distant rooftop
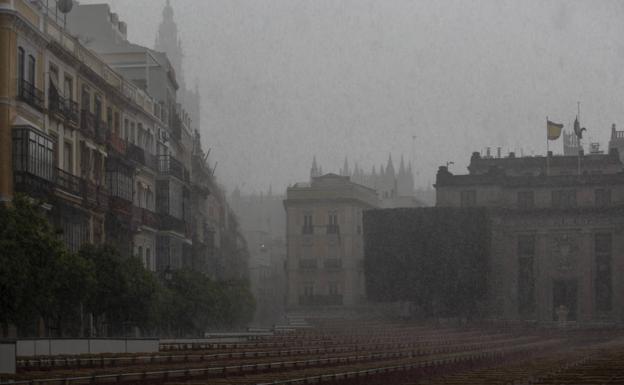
point(332, 187)
point(556, 164)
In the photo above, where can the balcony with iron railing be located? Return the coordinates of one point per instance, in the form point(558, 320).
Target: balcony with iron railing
point(168, 165)
point(116, 143)
point(63, 108)
point(120, 205)
point(135, 153)
point(28, 93)
point(171, 223)
point(69, 183)
point(96, 196)
point(71, 112)
point(144, 217)
point(87, 123)
point(31, 184)
point(55, 104)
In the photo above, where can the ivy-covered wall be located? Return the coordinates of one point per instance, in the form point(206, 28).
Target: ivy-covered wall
point(436, 258)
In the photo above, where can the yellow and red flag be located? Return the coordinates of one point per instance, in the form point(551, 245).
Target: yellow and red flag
point(553, 130)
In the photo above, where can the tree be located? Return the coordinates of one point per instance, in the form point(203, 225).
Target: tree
point(74, 286)
point(124, 292)
point(30, 254)
point(190, 305)
point(237, 304)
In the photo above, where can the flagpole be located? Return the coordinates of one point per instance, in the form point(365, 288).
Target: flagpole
point(547, 150)
point(578, 117)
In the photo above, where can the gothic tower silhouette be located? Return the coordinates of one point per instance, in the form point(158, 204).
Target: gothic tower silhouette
point(169, 42)
point(387, 182)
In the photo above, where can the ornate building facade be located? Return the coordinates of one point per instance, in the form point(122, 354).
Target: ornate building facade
point(556, 233)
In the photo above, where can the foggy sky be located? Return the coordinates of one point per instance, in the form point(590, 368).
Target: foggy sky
point(283, 80)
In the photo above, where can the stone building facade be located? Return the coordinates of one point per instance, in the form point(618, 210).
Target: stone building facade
point(557, 241)
point(324, 243)
point(111, 151)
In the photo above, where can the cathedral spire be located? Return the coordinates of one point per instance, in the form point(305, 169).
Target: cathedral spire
point(345, 168)
point(314, 170)
point(402, 167)
point(390, 166)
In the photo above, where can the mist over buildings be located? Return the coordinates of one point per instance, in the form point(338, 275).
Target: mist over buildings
point(284, 80)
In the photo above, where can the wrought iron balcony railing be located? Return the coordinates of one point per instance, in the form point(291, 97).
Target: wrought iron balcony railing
point(87, 123)
point(116, 143)
point(64, 108)
point(55, 103)
point(168, 165)
point(171, 223)
point(144, 217)
point(135, 153)
point(32, 184)
point(69, 183)
point(30, 94)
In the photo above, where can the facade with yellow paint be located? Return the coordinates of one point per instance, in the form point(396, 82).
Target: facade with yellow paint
point(76, 134)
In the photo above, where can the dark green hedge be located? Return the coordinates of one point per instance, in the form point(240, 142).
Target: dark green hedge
point(436, 258)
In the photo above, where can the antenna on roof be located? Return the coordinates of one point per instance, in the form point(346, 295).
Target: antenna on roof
point(578, 109)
